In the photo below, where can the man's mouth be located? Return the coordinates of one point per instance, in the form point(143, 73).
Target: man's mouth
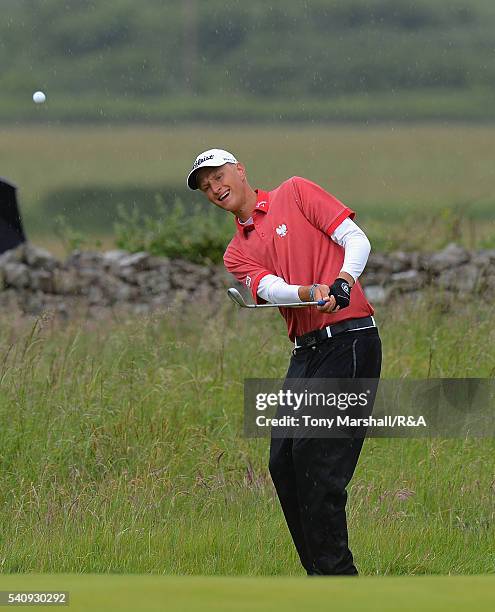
point(224, 195)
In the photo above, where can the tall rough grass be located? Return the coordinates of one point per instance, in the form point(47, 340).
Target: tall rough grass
point(121, 448)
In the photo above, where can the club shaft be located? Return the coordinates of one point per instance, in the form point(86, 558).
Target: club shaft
point(289, 305)
point(236, 297)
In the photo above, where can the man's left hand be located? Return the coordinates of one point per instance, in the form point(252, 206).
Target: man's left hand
point(341, 291)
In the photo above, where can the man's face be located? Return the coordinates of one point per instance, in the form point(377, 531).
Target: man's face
point(224, 185)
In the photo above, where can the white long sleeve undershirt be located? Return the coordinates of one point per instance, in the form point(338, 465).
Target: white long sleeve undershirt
point(357, 248)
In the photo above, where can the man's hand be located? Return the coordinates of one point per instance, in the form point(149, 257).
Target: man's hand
point(341, 290)
point(336, 296)
point(322, 293)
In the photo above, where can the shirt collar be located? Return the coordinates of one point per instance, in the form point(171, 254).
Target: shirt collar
point(262, 206)
point(263, 201)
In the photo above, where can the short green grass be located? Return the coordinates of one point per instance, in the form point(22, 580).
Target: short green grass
point(212, 594)
point(121, 448)
point(428, 177)
point(390, 163)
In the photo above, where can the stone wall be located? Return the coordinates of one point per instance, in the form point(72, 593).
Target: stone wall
point(453, 270)
point(32, 280)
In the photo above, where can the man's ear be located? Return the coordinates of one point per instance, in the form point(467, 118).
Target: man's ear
point(241, 170)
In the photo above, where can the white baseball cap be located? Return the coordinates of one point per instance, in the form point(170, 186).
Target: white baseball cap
point(207, 159)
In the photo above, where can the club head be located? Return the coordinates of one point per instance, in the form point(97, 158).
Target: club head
point(236, 297)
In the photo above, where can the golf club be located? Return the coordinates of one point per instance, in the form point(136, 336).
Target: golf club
point(236, 297)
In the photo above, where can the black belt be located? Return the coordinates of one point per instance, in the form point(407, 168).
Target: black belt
point(318, 335)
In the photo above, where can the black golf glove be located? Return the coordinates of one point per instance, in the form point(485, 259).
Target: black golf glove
point(341, 292)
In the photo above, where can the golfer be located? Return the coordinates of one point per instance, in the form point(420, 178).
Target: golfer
point(298, 243)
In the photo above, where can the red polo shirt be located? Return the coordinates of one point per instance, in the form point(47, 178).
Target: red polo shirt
point(290, 238)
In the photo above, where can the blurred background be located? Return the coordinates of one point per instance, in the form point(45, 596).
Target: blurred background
point(388, 104)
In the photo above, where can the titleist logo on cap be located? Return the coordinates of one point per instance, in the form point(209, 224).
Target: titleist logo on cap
point(201, 160)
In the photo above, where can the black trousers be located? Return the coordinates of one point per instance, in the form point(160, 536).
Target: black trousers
point(311, 474)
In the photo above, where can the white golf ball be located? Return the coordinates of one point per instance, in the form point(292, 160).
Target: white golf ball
point(39, 97)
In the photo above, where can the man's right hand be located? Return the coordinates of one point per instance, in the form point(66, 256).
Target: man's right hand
point(320, 293)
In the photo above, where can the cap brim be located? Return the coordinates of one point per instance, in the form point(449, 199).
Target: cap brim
point(191, 179)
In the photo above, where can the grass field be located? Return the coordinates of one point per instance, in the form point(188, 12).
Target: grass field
point(121, 452)
point(422, 183)
point(149, 593)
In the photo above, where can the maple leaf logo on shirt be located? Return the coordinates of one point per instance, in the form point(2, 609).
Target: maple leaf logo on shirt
point(282, 230)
